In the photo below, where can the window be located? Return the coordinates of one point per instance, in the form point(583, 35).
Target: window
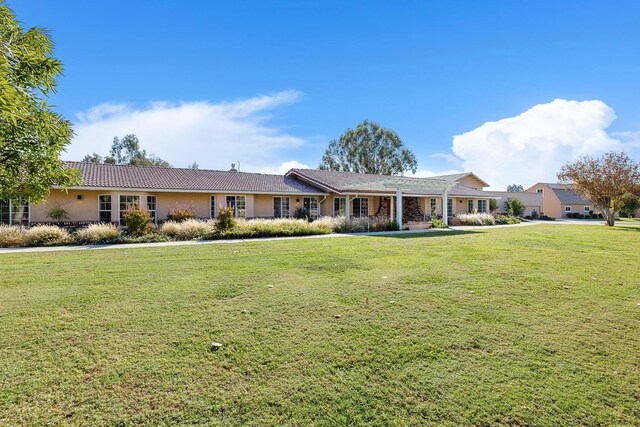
point(281, 207)
point(104, 208)
point(151, 206)
point(433, 207)
point(339, 206)
point(567, 208)
point(212, 206)
point(449, 207)
point(239, 205)
point(360, 207)
point(14, 212)
point(587, 208)
point(310, 204)
point(127, 202)
point(482, 206)
point(470, 206)
point(540, 191)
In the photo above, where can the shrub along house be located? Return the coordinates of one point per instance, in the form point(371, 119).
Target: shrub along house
point(559, 201)
point(107, 191)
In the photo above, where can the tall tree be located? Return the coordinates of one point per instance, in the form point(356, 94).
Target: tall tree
point(369, 148)
point(127, 151)
point(606, 181)
point(515, 188)
point(32, 135)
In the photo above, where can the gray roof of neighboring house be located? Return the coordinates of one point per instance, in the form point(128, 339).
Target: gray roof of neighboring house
point(341, 182)
point(178, 179)
point(566, 195)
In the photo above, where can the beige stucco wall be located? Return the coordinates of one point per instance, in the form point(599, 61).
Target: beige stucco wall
point(471, 182)
point(551, 205)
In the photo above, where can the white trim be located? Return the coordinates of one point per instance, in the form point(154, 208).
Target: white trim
point(139, 196)
point(567, 210)
point(334, 205)
point(273, 207)
point(110, 203)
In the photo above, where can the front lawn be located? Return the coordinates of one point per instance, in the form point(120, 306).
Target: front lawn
point(534, 325)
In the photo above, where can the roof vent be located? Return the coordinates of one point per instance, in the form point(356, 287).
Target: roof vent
point(233, 168)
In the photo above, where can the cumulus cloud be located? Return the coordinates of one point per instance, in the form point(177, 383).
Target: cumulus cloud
point(284, 167)
point(532, 146)
point(212, 134)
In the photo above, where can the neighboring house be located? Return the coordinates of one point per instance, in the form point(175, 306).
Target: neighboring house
point(107, 191)
point(532, 201)
point(559, 200)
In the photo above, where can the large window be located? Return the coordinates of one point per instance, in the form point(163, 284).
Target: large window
point(128, 201)
point(482, 206)
point(212, 206)
point(281, 207)
point(360, 207)
point(470, 206)
point(104, 208)
point(151, 206)
point(450, 207)
point(310, 204)
point(339, 206)
point(14, 212)
point(239, 205)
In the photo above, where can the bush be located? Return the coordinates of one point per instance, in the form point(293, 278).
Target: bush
point(46, 235)
point(534, 214)
point(226, 221)
point(475, 219)
point(301, 213)
point(188, 230)
point(11, 236)
point(98, 233)
point(392, 226)
point(138, 221)
point(546, 218)
point(180, 214)
point(57, 213)
point(515, 207)
point(493, 205)
point(438, 223)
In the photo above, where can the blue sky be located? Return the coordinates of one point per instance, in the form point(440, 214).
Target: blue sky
point(269, 83)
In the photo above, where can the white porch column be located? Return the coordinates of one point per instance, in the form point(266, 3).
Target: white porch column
point(347, 208)
point(399, 207)
point(445, 208)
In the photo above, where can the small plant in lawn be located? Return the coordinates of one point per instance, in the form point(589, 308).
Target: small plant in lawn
point(138, 221)
point(98, 233)
point(180, 213)
point(226, 221)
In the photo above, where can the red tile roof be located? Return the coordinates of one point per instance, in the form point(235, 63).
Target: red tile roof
point(178, 179)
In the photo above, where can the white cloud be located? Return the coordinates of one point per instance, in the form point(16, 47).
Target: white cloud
point(532, 146)
point(284, 167)
point(212, 134)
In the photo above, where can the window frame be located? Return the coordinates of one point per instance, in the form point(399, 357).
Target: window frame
point(281, 201)
point(26, 213)
point(311, 216)
point(236, 210)
point(470, 206)
point(358, 211)
point(120, 210)
point(110, 210)
point(212, 206)
point(450, 207)
point(587, 208)
point(567, 209)
point(342, 201)
point(483, 203)
point(540, 191)
point(153, 212)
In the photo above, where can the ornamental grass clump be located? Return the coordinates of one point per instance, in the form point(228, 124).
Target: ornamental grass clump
point(98, 234)
point(46, 235)
point(475, 219)
point(188, 230)
point(276, 228)
point(11, 236)
point(180, 214)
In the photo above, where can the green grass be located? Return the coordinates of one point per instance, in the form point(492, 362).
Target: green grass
point(515, 326)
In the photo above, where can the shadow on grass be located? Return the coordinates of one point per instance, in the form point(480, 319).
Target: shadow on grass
point(430, 234)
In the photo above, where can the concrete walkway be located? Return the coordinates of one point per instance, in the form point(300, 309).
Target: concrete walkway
point(259, 239)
